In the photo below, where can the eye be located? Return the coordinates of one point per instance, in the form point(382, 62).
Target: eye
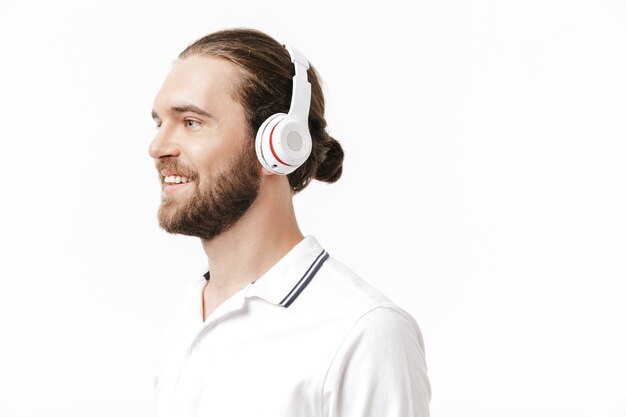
point(157, 126)
point(191, 123)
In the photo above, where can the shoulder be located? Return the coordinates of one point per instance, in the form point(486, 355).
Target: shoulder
point(384, 331)
point(387, 319)
point(338, 295)
point(368, 323)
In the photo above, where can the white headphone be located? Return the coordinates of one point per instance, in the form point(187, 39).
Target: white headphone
point(283, 142)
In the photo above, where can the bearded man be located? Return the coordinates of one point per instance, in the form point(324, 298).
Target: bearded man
point(277, 327)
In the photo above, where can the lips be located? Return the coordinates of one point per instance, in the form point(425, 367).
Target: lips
point(172, 188)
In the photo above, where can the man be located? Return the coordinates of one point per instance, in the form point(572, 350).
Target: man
point(277, 327)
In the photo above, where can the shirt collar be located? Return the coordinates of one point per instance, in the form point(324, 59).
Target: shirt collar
point(284, 282)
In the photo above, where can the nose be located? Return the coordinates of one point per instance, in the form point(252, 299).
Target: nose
point(163, 145)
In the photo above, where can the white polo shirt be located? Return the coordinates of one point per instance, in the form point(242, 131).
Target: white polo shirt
point(308, 338)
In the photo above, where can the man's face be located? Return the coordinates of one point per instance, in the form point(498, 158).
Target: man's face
point(203, 138)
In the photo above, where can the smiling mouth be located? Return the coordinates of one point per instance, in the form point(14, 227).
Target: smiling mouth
point(174, 183)
point(176, 179)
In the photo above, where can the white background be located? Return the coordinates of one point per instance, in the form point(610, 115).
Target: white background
point(484, 191)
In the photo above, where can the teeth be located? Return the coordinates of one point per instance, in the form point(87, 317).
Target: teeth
point(175, 179)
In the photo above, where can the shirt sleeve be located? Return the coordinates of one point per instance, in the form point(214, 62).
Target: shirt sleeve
point(379, 369)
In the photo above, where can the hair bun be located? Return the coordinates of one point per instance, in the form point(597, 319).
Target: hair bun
point(330, 168)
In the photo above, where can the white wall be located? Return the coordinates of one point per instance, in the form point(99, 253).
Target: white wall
point(484, 191)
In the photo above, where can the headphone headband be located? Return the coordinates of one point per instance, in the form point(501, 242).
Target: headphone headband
point(301, 94)
point(297, 56)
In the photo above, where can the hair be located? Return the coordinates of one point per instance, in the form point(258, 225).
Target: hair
point(265, 89)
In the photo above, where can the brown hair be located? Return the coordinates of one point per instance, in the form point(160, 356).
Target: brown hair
point(265, 89)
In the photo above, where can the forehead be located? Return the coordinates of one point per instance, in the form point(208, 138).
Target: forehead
point(203, 80)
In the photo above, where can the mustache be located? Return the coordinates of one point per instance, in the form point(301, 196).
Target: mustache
point(175, 166)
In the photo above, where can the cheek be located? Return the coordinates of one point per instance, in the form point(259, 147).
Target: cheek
point(208, 146)
point(200, 161)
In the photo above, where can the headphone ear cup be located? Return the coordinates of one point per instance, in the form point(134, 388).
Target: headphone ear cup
point(262, 142)
point(282, 144)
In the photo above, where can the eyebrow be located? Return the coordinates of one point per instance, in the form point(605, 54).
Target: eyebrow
point(184, 108)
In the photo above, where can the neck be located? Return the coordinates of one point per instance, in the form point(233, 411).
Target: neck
point(258, 240)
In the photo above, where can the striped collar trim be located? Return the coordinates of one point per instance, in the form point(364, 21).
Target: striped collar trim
point(304, 281)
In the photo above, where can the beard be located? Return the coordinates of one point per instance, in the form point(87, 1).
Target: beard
point(216, 209)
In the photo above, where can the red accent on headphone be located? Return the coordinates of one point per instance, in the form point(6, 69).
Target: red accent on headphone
point(272, 147)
